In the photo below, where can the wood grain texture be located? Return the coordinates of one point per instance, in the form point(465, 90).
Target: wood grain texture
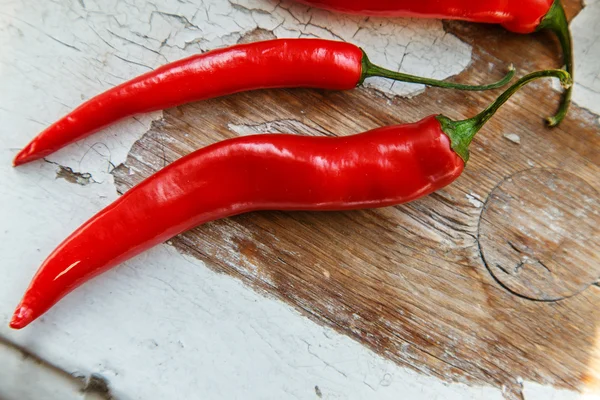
point(410, 281)
point(549, 220)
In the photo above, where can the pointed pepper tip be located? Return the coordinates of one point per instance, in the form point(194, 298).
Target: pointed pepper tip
point(22, 317)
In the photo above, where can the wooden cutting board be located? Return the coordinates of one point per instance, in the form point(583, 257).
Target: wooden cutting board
point(491, 280)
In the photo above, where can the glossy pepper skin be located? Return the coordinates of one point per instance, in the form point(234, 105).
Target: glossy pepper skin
point(382, 167)
point(279, 63)
point(270, 64)
point(521, 16)
point(379, 168)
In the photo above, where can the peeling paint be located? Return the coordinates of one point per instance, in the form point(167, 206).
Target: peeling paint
point(78, 178)
point(106, 43)
point(56, 55)
point(516, 139)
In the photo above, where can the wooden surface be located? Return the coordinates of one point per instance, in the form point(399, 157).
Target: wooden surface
point(411, 281)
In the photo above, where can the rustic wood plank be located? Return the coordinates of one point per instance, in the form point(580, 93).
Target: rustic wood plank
point(410, 281)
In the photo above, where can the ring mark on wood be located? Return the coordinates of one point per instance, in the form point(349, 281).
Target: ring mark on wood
point(539, 234)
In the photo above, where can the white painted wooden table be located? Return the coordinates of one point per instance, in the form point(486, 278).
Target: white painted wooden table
point(163, 325)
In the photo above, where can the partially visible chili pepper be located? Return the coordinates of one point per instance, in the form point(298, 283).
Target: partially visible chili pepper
point(379, 168)
point(312, 63)
point(520, 16)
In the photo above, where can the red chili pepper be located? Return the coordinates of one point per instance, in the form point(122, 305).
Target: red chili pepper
point(520, 16)
point(379, 168)
point(312, 63)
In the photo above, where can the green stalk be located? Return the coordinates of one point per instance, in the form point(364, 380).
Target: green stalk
point(556, 21)
point(371, 70)
point(461, 133)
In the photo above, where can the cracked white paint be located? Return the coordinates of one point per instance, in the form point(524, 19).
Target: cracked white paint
point(68, 51)
point(163, 323)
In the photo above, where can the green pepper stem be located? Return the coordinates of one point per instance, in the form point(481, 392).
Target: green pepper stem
point(371, 70)
point(556, 21)
point(461, 133)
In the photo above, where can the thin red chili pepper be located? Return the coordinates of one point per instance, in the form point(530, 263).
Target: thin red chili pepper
point(379, 168)
point(312, 63)
point(520, 16)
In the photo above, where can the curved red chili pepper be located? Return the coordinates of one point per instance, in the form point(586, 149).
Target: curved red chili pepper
point(378, 168)
point(520, 16)
point(311, 63)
